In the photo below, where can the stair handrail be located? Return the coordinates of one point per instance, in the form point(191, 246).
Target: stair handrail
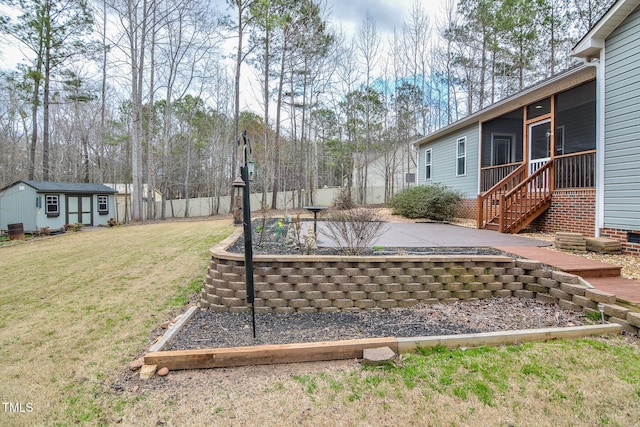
point(541, 194)
point(490, 211)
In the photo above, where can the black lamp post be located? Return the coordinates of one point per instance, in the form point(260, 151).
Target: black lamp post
point(247, 173)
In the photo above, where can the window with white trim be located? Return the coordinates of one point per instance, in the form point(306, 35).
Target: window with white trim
point(52, 205)
point(461, 156)
point(427, 164)
point(103, 204)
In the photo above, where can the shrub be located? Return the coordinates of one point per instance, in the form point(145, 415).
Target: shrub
point(74, 227)
point(435, 201)
point(354, 230)
point(343, 201)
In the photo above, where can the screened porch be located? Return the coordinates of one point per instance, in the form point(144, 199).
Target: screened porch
point(560, 130)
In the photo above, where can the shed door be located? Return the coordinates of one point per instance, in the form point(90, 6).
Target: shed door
point(79, 210)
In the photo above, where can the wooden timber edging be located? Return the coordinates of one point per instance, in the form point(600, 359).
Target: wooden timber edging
point(353, 349)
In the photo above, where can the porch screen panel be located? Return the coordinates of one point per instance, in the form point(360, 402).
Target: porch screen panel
point(575, 125)
point(495, 133)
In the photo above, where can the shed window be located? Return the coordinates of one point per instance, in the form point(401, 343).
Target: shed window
point(103, 204)
point(461, 157)
point(427, 164)
point(52, 206)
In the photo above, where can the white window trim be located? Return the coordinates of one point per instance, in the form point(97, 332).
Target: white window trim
point(428, 164)
point(106, 203)
point(46, 205)
point(496, 135)
point(464, 156)
point(559, 136)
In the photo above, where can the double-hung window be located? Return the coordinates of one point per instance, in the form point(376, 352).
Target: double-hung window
point(52, 205)
point(461, 157)
point(427, 164)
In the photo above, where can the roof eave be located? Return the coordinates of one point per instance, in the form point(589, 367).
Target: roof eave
point(588, 48)
point(592, 42)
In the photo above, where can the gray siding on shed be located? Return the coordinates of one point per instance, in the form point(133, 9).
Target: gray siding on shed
point(443, 166)
point(622, 126)
point(24, 202)
point(17, 206)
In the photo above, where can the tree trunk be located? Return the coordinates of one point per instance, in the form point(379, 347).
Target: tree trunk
point(34, 123)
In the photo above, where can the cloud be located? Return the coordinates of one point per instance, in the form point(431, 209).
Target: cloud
point(386, 14)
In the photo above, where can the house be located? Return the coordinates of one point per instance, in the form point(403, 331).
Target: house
point(558, 156)
point(385, 173)
point(38, 204)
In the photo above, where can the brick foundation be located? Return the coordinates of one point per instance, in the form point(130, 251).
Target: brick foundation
point(309, 283)
point(622, 236)
point(571, 210)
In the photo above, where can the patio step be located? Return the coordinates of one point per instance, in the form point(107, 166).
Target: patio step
point(566, 262)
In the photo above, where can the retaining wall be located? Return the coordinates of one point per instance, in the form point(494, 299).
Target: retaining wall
point(311, 283)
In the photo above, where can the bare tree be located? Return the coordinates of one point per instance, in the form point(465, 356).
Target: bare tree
point(368, 45)
point(54, 33)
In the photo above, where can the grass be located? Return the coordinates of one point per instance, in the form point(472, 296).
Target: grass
point(77, 308)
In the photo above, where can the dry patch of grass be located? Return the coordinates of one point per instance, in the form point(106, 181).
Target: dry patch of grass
point(78, 306)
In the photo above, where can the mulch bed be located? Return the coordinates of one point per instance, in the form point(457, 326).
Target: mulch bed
point(208, 329)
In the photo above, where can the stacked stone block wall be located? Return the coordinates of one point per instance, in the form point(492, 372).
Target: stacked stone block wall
point(288, 284)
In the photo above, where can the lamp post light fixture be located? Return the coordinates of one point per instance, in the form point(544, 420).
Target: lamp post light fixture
point(251, 170)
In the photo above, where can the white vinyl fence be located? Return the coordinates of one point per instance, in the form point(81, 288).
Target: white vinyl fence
point(207, 206)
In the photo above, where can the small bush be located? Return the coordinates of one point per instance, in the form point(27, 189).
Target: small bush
point(74, 227)
point(436, 202)
point(354, 230)
point(343, 200)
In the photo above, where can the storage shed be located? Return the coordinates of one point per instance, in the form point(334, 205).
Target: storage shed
point(39, 204)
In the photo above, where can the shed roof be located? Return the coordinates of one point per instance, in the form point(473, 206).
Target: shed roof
point(65, 187)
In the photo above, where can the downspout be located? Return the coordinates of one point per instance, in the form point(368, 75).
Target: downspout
point(417, 150)
point(479, 165)
point(600, 135)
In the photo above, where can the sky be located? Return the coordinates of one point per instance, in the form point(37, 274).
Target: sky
point(347, 15)
point(386, 13)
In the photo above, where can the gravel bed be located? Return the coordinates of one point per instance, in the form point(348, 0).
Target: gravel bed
point(208, 329)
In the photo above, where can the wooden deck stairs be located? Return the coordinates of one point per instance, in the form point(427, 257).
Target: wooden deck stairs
point(517, 200)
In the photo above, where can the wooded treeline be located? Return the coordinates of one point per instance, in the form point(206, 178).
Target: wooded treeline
point(149, 91)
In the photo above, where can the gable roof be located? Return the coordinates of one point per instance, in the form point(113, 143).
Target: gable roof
point(65, 187)
point(591, 44)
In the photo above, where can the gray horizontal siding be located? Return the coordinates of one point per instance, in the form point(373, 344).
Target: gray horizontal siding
point(443, 169)
point(622, 126)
